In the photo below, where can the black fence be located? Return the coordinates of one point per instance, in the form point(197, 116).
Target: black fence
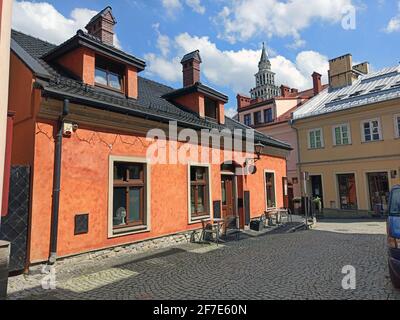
point(14, 226)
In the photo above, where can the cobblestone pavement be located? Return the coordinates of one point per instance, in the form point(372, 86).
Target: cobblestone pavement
point(352, 226)
point(301, 265)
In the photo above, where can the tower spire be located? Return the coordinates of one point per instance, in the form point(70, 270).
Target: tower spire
point(265, 79)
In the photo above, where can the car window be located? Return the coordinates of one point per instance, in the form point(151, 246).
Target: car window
point(395, 202)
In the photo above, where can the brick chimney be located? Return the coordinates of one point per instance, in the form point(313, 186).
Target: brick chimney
point(191, 68)
point(102, 26)
point(242, 101)
point(317, 85)
point(285, 91)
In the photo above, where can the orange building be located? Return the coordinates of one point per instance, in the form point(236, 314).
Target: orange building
point(82, 115)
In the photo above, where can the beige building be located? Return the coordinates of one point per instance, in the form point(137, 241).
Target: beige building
point(5, 34)
point(349, 139)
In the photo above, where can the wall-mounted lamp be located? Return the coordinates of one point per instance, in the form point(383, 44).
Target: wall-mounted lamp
point(258, 148)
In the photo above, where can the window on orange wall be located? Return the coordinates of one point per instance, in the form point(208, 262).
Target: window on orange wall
point(199, 192)
point(109, 74)
point(128, 195)
point(270, 190)
point(211, 108)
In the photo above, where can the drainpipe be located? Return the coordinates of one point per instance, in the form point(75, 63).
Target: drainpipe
point(57, 184)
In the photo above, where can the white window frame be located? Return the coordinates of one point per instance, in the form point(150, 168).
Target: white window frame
point(210, 213)
point(309, 138)
point(265, 190)
point(396, 126)
point(379, 130)
point(341, 134)
point(129, 230)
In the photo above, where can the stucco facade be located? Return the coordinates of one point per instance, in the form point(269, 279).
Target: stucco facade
point(358, 157)
point(102, 137)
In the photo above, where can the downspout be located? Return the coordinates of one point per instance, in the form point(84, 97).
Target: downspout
point(57, 184)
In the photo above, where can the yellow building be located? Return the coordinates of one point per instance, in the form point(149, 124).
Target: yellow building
point(349, 139)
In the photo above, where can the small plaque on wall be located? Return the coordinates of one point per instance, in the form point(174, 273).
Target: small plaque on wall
point(217, 209)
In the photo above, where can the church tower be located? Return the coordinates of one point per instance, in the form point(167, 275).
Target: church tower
point(265, 79)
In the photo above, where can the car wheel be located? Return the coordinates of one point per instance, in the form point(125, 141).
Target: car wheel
point(395, 279)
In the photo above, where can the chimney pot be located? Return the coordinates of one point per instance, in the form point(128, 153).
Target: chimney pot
point(191, 68)
point(317, 85)
point(102, 25)
point(285, 91)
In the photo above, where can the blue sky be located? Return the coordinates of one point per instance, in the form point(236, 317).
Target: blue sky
point(301, 35)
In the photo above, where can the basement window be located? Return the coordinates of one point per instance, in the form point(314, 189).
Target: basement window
point(109, 74)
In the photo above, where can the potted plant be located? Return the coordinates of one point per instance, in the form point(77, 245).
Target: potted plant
point(318, 204)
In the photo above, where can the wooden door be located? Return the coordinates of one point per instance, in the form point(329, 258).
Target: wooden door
point(228, 197)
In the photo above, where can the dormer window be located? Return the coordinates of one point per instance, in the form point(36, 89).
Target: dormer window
point(211, 107)
point(109, 74)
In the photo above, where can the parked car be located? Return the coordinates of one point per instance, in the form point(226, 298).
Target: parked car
point(393, 232)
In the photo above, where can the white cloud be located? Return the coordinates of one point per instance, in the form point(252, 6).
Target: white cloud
point(169, 70)
point(174, 6)
point(235, 69)
point(42, 20)
point(243, 19)
point(196, 6)
point(394, 23)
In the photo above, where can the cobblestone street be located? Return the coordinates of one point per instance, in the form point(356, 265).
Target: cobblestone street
point(301, 265)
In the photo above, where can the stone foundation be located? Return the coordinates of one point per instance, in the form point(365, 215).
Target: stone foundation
point(4, 260)
point(129, 249)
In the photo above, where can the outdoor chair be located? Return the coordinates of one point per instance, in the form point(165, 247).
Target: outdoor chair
point(209, 230)
point(230, 226)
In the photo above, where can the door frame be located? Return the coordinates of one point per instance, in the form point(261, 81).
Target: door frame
point(265, 189)
point(234, 192)
point(367, 188)
point(322, 186)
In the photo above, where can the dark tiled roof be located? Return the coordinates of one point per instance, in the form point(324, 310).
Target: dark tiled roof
point(82, 38)
point(149, 105)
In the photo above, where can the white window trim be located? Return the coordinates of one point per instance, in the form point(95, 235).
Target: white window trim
point(129, 230)
point(379, 130)
point(265, 189)
point(309, 139)
point(211, 213)
point(396, 127)
point(334, 134)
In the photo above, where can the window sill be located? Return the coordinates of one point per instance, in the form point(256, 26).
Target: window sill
point(311, 149)
point(128, 231)
point(373, 141)
point(342, 145)
point(198, 219)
